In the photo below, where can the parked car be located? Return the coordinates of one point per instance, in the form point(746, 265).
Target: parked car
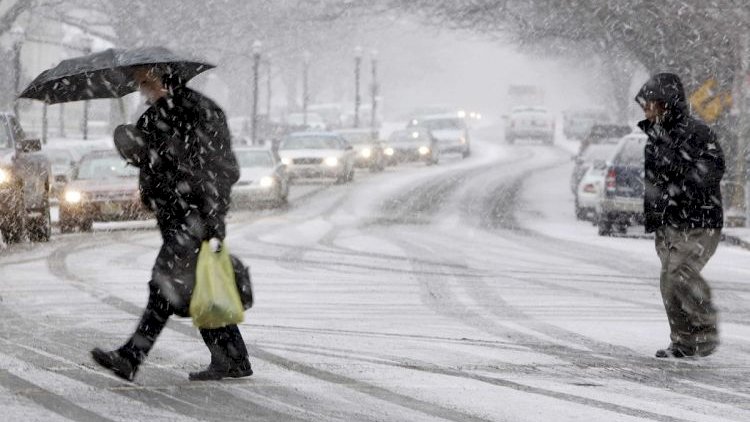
point(622, 201)
point(25, 178)
point(62, 162)
point(317, 155)
point(103, 188)
point(534, 123)
point(449, 130)
point(367, 147)
point(263, 178)
point(578, 123)
point(604, 134)
point(585, 159)
point(413, 144)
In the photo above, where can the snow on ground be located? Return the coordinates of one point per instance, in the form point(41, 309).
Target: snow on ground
point(465, 292)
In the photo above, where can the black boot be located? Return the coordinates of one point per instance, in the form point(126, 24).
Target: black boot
point(228, 355)
point(675, 351)
point(218, 372)
point(116, 362)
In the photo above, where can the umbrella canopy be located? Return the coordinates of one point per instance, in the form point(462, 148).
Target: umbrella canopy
point(106, 74)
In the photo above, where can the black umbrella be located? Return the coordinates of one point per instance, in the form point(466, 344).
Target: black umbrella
point(107, 74)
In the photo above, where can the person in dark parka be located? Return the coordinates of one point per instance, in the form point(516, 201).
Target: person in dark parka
point(682, 206)
point(187, 169)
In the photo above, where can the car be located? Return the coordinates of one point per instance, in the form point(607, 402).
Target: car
point(585, 159)
point(263, 178)
point(530, 122)
point(621, 204)
point(449, 130)
point(25, 179)
point(103, 188)
point(413, 144)
point(605, 134)
point(369, 151)
point(317, 155)
point(62, 162)
point(578, 123)
point(589, 186)
point(329, 112)
point(312, 121)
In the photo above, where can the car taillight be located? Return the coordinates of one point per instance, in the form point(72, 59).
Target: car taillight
point(589, 188)
point(611, 180)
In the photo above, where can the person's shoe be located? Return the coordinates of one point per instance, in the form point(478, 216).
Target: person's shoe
point(215, 372)
point(674, 351)
point(115, 362)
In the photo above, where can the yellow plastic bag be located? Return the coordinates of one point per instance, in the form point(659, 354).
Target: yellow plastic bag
point(215, 302)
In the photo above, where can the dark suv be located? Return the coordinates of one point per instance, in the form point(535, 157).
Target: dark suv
point(24, 185)
point(622, 203)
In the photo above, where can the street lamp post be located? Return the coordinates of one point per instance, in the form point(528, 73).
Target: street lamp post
point(254, 119)
point(305, 85)
point(374, 93)
point(269, 80)
point(17, 35)
point(357, 67)
point(86, 44)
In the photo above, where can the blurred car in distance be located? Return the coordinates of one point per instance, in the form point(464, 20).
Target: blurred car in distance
point(368, 149)
point(103, 188)
point(313, 155)
point(622, 201)
point(449, 130)
point(604, 134)
point(578, 123)
point(530, 122)
point(263, 179)
point(412, 144)
point(313, 121)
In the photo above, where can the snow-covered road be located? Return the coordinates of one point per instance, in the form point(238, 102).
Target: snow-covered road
point(462, 292)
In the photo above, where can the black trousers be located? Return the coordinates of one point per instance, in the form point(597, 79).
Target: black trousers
point(225, 344)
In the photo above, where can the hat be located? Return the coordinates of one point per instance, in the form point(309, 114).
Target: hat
point(131, 144)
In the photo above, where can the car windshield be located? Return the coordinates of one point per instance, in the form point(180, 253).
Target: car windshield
point(60, 156)
point(105, 167)
point(440, 124)
point(598, 152)
point(405, 136)
point(357, 137)
point(310, 142)
point(632, 153)
point(254, 158)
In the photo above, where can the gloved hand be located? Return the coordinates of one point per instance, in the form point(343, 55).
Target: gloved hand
point(215, 244)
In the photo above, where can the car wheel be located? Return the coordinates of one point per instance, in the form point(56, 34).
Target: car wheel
point(580, 213)
point(604, 226)
point(87, 225)
point(466, 153)
point(40, 228)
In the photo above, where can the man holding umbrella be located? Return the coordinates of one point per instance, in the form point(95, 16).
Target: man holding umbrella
point(182, 146)
point(187, 169)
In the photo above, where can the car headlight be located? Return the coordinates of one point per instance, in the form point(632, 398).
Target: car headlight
point(423, 150)
point(462, 140)
point(332, 161)
point(388, 151)
point(286, 161)
point(4, 176)
point(366, 152)
point(73, 196)
point(266, 181)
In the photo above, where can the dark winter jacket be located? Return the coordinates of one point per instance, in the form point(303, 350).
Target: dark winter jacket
point(191, 165)
point(684, 162)
point(187, 181)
